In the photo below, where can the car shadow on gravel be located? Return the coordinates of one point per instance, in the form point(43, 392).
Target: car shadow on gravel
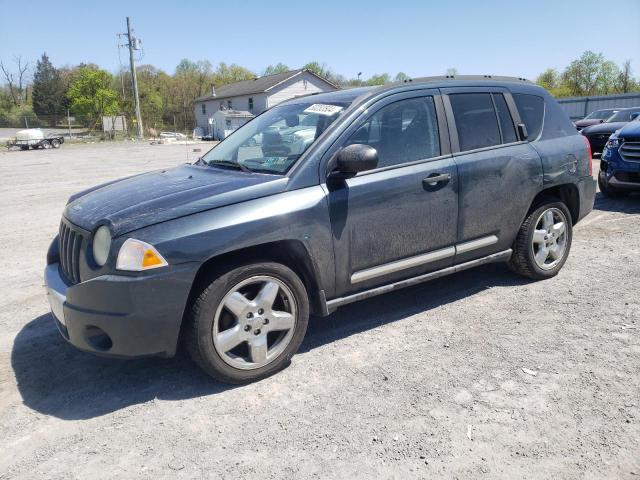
point(388, 308)
point(630, 204)
point(56, 379)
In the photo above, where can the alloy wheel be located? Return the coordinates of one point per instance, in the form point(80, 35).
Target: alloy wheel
point(549, 241)
point(254, 322)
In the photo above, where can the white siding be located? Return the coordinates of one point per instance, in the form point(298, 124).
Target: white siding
point(237, 103)
point(302, 84)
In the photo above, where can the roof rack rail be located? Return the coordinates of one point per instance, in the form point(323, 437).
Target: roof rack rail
point(439, 78)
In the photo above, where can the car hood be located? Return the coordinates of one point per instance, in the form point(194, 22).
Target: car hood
point(604, 128)
point(142, 200)
point(586, 123)
point(631, 129)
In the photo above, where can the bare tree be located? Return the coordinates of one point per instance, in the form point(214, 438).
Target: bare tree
point(626, 78)
point(16, 81)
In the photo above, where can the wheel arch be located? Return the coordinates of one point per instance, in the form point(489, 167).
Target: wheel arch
point(567, 193)
point(291, 253)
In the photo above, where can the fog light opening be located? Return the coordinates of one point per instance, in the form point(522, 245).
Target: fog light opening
point(98, 338)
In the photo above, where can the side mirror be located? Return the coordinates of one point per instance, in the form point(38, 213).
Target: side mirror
point(522, 131)
point(635, 115)
point(355, 158)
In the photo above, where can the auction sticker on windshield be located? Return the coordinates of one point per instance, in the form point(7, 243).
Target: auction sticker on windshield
point(323, 109)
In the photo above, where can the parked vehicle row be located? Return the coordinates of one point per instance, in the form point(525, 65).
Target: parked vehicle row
point(347, 195)
point(594, 118)
point(599, 134)
point(619, 172)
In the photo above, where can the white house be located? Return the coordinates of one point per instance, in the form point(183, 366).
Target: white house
point(224, 122)
point(257, 95)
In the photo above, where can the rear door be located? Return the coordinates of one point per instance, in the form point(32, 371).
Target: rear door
point(499, 174)
point(399, 220)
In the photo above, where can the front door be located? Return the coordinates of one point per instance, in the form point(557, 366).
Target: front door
point(399, 220)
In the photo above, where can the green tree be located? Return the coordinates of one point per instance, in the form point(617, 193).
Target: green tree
point(549, 79)
point(225, 74)
point(91, 96)
point(401, 77)
point(607, 78)
point(378, 79)
point(581, 76)
point(273, 69)
point(319, 69)
point(48, 91)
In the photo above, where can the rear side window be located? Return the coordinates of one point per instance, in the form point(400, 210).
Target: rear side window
point(504, 117)
point(476, 120)
point(531, 108)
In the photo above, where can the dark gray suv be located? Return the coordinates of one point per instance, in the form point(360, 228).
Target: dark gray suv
point(318, 202)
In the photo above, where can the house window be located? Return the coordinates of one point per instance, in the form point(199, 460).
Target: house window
point(250, 104)
point(204, 108)
point(229, 104)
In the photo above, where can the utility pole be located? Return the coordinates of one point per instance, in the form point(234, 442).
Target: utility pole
point(133, 45)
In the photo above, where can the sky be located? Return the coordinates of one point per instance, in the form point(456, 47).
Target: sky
point(519, 38)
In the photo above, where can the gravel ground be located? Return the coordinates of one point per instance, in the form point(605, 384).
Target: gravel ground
point(426, 382)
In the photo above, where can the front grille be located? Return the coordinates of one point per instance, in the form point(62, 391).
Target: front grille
point(630, 150)
point(70, 243)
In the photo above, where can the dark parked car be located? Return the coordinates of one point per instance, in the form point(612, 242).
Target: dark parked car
point(594, 118)
point(401, 184)
point(620, 166)
point(598, 135)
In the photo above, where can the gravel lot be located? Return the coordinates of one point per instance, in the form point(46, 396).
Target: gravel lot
point(422, 383)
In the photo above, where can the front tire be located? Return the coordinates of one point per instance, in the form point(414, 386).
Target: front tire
point(543, 242)
point(248, 323)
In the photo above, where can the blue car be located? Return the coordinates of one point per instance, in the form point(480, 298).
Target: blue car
point(620, 165)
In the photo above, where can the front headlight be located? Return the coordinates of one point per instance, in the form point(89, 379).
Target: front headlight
point(136, 255)
point(613, 143)
point(101, 245)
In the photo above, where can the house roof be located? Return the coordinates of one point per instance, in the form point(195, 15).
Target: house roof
point(257, 85)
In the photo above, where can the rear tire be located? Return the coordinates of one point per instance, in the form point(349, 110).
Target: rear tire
point(46, 144)
point(608, 191)
point(543, 242)
point(247, 323)
point(55, 143)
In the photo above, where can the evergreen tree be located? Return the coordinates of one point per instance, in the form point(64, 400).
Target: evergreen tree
point(48, 95)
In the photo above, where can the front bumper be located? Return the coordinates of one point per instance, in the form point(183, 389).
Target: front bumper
point(619, 173)
point(122, 316)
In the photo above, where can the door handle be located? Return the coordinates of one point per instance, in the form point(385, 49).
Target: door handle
point(435, 178)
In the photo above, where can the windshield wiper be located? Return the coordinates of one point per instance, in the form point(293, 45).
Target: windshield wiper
point(229, 163)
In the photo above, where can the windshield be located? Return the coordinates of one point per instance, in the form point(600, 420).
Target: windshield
point(622, 116)
point(273, 141)
point(600, 115)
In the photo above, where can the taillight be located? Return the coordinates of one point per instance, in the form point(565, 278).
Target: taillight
point(590, 157)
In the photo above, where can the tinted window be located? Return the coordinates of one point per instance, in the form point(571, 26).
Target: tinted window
point(531, 108)
point(401, 132)
point(623, 116)
point(504, 117)
point(476, 120)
